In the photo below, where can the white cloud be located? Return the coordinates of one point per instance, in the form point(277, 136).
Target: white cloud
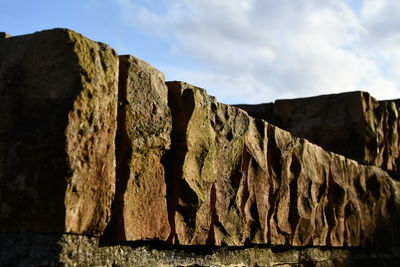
point(260, 50)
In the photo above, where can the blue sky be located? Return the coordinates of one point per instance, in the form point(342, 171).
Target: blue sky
point(242, 51)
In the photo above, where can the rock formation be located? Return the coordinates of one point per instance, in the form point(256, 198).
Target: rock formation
point(99, 146)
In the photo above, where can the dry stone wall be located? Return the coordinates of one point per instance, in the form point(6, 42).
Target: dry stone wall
point(98, 145)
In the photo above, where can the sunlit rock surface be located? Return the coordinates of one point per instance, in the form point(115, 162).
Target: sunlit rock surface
point(104, 163)
point(240, 180)
point(144, 128)
point(57, 136)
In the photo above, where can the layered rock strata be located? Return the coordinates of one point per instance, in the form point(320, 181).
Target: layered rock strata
point(351, 124)
point(58, 121)
point(244, 181)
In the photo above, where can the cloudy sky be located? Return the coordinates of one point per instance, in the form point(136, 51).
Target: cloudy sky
point(241, 51)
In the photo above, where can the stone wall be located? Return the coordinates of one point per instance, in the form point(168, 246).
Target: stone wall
point(102, 162)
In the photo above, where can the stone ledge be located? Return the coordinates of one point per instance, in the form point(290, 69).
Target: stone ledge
point(32, 249)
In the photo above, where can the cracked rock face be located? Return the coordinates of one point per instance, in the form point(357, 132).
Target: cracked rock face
point(239, 180)
point(57, 153)
point(351, 124)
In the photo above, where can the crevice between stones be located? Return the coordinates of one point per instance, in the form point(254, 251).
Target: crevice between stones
point(174, 158)
point(123, 151)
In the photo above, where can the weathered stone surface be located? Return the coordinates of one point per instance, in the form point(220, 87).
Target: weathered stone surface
point(238, 180)
point(190, 170)
point(58, 121)
point(140, 206)
point(351, 124)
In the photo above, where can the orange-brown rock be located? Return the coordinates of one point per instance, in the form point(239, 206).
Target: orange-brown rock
point(140, 206)
point(238, 180)
point(58, 122)
point(177, 166)
point(351, 124)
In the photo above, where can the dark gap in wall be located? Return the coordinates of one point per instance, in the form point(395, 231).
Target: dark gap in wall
point(123, 151)
point(181, 104)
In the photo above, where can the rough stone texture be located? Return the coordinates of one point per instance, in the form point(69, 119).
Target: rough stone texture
point(58, 108)
point(140, 206)
point(351, 124)
point(30, 249)
point(238, 180)
point(199, 183)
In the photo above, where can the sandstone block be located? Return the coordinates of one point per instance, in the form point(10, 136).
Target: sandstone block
point(58, 121)
point(351, 124)
point(143, 136)
point(238, 180)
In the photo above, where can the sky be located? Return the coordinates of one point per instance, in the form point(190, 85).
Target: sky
point(241, 51)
